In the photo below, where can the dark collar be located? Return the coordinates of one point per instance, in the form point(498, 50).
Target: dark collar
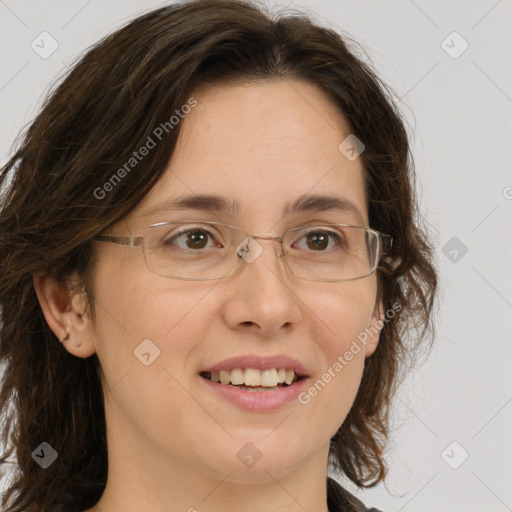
point(340, 500)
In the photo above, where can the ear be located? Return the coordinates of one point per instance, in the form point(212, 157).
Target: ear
point(374, 329)
point(63, 308)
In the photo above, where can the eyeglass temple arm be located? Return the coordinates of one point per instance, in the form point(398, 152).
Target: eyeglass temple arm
point(387, 243)
point(129, 241)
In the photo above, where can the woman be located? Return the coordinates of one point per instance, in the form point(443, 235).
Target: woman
point(210, 263)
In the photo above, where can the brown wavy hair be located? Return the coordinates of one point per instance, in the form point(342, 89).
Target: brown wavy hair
point(102, 111)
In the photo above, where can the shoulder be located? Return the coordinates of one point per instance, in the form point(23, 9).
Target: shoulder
point(340, 500)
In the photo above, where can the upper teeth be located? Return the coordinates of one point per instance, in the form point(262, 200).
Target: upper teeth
point(254, 377)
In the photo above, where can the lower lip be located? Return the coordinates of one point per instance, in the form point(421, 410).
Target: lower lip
point(258, 400)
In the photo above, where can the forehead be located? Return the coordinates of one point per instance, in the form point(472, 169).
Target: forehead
point(264, 147)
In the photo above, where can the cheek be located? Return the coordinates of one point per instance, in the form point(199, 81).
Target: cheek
point(134, 304)
point(339, 316)
point(146, 316)
point(341, 313)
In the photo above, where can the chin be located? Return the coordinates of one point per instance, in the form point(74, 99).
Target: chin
point(250, 458)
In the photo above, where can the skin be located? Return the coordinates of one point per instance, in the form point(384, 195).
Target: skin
point(172, 443)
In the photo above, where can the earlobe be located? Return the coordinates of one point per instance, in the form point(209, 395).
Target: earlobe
point(63, 311)
point(374, 330)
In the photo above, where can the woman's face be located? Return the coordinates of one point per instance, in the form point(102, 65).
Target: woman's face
point(264, 145)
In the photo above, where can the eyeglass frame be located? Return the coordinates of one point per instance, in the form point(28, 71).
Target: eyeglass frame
point(135, 241)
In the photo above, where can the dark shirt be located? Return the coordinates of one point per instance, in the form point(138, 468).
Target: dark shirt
point(340, 500)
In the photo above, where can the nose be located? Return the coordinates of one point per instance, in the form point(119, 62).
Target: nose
point(261, 296)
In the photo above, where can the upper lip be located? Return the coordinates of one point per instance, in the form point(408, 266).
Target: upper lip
point(261, 363)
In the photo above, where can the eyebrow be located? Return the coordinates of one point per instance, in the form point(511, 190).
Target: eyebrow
point(221, 204)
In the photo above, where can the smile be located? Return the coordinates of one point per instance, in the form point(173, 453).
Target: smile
point(247, 378)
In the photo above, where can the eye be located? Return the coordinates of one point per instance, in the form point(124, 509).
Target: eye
point(319, 240)
point(193, 238)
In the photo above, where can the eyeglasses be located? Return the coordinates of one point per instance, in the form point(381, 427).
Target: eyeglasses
point(206, 250)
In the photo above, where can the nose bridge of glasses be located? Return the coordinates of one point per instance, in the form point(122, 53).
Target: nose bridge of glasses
point(249, 249)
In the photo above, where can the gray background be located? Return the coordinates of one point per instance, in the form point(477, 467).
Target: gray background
point(459, 112)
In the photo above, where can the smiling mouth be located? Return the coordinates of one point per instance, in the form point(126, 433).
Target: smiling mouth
point(250, 379)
